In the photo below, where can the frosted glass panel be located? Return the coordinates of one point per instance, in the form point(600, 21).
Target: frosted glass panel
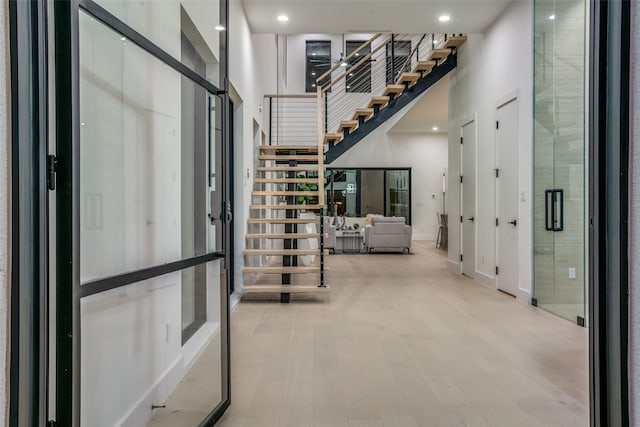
point(145, 139)
point(165, 21)
point(133, 358)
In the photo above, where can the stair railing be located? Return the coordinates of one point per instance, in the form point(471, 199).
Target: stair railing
point(365, 73)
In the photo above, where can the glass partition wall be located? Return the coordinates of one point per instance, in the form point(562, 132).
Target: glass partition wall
point(151, 346)
point(559, 158)
point(358, 192)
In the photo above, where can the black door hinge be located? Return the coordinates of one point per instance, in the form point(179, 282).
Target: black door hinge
point(461, 219)
point(52, 423)
point(52, 168)
point(496, 222)
point(497, 173)
point(460, 179)
point(534, 302)
point(460, 257)
point(497, 270)
point(461, 140)
point(497, 124)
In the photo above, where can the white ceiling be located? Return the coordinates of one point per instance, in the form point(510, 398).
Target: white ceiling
point(370, 16)
point(429, 111)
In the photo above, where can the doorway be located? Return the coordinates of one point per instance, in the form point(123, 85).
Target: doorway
point(507, 197)
point(468, 199)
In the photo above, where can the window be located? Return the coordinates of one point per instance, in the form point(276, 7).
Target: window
point(359, 78)
point(358, 192)
point(318, 54)
point(397, 54)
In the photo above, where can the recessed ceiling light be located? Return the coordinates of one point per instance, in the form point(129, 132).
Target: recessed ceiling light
point(552, 17)
point(344, 64)
point(313, 54)
point(313, 74)
point(350, 74)
point(219, 28)
point(313, 85)
point(283, 18)
point(348, 87)
point(357, 54)
point(123, 38)
point(444, 18)
point(435, 128)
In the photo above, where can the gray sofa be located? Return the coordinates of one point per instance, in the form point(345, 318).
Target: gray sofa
point(387, 233)
point(330, 231)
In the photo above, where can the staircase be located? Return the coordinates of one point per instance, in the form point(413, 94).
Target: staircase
point(394, 80)
point(285, 253)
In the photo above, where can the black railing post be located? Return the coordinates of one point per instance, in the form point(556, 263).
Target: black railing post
point(393, 59)
point(270, 120)
point(322, 285)
point(326, 113)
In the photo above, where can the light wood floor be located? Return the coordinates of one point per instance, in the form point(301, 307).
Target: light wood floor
point(404, 342)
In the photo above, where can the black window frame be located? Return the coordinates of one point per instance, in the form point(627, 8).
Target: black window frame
point(358, 80)
point(310, 69)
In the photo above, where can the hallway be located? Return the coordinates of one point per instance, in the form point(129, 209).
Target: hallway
point(405, 342)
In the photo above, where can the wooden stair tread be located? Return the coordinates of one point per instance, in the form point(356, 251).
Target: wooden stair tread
point(289, 289)
point(283, 220)
point(393, 90)
point(282, 270)
point(283, 236)
point(348, 124)
point(454, 42)
point(313, 180)
point(424, 66)
point(300, 168)
point(287, 207)
point(282, 252)
point(288, 148)
point(379, 100)
point(335, 137)
point(285, 193)
point(363, 112)
point(439, 54)
point(288, 157)
point(409, 78)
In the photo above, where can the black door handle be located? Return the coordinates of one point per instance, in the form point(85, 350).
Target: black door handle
point(514, 222)
point(471, 219)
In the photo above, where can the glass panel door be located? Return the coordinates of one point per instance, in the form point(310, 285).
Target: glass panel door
point(145, 188)
point(398, 197)
point(559, 152)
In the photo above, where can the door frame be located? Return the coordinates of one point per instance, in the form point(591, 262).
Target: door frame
point(472, 118)
point(609, 148)
point(512, 97)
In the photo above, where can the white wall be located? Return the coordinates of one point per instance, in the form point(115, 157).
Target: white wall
point(424, 153)
point(634, 237)
point(492, 66)
point(5, 169)
point(249, 57)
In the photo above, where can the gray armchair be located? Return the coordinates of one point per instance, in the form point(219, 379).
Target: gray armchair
point(387, 233)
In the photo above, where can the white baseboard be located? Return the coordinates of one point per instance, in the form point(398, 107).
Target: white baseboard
point(453, 266)
point(485, 279)
point(424, 237)
point(234, 300)
point(140, 412)
point(524, 296)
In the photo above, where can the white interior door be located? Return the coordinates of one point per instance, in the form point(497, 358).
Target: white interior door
point(468, 192)
point(507, 197)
